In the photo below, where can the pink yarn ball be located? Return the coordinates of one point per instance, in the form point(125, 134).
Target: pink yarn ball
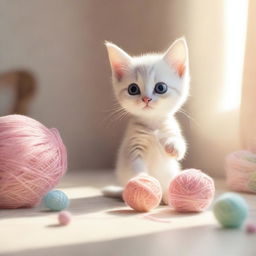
point(241, 171)
point(32, 160)
point(64, 218)
point(142, 193)
point(191, 191)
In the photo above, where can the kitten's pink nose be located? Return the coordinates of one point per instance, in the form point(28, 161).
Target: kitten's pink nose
point(146, 99)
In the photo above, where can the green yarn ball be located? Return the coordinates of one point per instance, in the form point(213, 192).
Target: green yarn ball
point(231, 210)
point(56, 200)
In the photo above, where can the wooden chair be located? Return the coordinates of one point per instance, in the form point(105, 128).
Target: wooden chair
point(23, 84)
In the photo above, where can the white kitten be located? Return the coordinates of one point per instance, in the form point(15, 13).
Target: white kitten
point(151, 88)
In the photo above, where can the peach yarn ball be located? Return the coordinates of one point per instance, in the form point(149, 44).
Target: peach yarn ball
point(191, 191)
point(32, 160)
point(142, 193)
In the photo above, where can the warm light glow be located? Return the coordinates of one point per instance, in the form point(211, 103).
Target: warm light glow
point(235, 32)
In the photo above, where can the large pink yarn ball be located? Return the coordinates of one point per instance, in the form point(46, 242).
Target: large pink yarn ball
point(142, 193)
point(241, 171)
point(33, 158)
point(191, 191)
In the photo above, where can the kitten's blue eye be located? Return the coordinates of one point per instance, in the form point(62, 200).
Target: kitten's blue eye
point(160, 88)
point(133, 89)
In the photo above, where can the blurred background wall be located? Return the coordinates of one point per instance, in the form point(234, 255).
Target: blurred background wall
point(61, 43)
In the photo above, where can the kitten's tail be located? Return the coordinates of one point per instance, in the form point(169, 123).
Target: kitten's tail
point(112, 191)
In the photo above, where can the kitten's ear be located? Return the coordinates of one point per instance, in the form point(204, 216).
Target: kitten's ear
point(177, 56)
point(120, 61)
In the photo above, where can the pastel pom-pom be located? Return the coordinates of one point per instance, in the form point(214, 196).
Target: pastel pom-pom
point(231, 210)
point(33, 158)
point(64, 218)
point(142, 193)
point(251, 228)
point(56, 200)
point(191, 191)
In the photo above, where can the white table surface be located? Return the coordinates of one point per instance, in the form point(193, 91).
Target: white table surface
point(105, 226)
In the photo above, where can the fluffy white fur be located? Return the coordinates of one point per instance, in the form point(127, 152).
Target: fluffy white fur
point(153, 142)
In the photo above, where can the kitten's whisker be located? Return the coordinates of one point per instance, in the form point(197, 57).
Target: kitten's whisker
point(123, 116)
point(115, 114)
point(189, 117)
point(113, 108)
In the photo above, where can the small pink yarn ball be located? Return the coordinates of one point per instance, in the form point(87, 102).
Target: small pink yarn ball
point(142, 193)
point(64, 218)
point(251, 228)
point(191, 191)
point(33, 158)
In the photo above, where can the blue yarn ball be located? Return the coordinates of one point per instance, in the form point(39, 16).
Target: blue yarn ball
point(56, 200)
point(231, 210)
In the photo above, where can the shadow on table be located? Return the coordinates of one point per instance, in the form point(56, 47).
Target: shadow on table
point(201, 240)
point(161, 214)
point(77, 206)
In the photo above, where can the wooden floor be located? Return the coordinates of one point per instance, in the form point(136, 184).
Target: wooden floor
point(105, 226)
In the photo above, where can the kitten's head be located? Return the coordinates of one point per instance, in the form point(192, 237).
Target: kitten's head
point(151, 85)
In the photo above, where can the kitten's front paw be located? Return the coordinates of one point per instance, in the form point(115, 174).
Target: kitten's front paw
point(175, 149)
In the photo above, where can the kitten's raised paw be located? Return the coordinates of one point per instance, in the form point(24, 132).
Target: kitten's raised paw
point(171, 151)
point(175, 150)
